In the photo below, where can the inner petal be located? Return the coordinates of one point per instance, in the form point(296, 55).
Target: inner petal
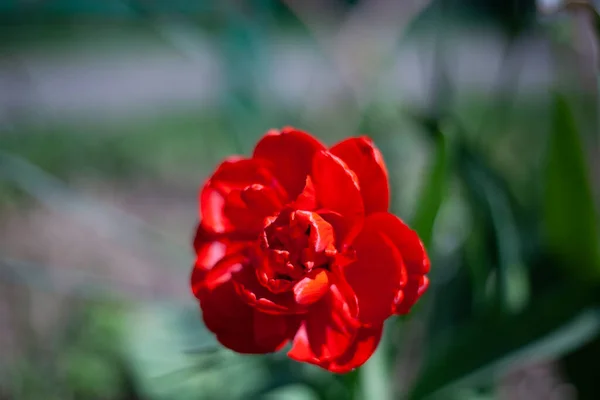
point(220, 198)
point(249, 207)
point(312, 287)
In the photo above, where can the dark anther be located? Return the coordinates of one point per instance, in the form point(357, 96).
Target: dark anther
point(283, 277)
point(276, 243)
point(307, 232)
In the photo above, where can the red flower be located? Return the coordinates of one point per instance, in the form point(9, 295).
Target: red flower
point(296, 243)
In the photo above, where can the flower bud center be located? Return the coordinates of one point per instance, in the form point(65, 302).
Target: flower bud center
point(293, 244)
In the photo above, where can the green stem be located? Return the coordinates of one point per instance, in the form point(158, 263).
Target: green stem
point(374, 376)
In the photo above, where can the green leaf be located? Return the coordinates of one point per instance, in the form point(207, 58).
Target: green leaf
point(476, 352)
point(579, 369)
point(434, 190)
point(569, 212)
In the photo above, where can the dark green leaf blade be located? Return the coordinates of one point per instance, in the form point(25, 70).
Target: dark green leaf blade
point(569, 211)
point(474, 353)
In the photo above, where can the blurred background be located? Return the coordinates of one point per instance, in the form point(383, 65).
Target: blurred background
point(113, 112)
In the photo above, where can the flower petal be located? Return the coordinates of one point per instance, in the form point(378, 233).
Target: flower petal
point(290, 152)
point(306, 200)
point(312, 287)
point(327, 331)
point(318, 232)
point(257, 296)
point(261, 200)
point(241, 328)
point(219, 273)
point(377, 274)
point(221, 196)
point(413, 254)
point(406, 240)
point(274, 330)
point(247, 209)
point(345, 230)
point(365, 160)
point(208, 250)
point(337, 190)
point(417, 285)
point(363, 347)
point(211, 247)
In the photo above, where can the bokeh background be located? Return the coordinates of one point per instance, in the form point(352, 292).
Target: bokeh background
point(113, 112)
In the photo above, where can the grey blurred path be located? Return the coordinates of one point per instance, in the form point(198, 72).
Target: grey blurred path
point(124, 77)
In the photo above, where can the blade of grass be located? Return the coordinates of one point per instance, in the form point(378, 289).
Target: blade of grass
point(489, 192)
point(434, 190)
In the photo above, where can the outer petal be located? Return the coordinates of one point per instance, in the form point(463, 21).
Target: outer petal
point(210, 249)
point(290, 152)
point(377, 274)
point(327, 331)
point(273, 330)
point(417, 285)
point(337, 191)
point(406, 240)
point(260, 298)
point(414, 256)
point(204, 279)
point(365, 160)
point(358, 353)
point(241, 328)
point(222, 195)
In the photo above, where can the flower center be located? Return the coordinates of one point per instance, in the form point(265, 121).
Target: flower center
point(293, 244)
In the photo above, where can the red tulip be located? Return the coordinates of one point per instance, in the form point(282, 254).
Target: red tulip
point(296, 244)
